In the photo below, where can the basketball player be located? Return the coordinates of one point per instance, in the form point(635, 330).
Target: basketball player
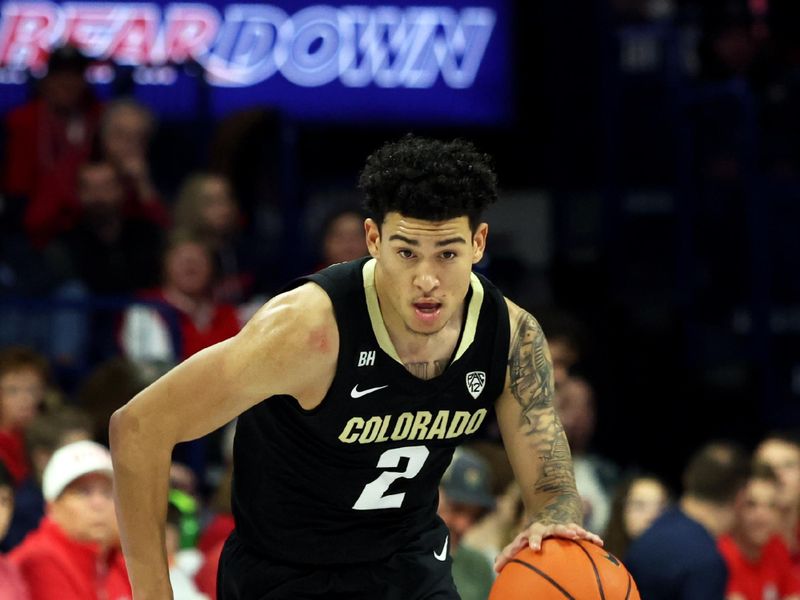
point(353, 388)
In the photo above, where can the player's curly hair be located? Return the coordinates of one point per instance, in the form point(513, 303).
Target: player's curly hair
point(428, 179)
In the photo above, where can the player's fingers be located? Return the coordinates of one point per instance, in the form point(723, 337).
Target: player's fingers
point(592, 537)
point(585, 534)
point(510, 550)
point(562, 531)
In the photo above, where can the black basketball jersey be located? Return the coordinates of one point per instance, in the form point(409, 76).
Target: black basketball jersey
point(356, 478)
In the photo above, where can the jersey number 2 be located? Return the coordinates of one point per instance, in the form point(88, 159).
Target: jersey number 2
point(372, 496)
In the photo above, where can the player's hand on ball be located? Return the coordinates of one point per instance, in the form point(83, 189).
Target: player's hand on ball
point(536, 532)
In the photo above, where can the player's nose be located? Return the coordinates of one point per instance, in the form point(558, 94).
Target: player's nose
point(426, 280)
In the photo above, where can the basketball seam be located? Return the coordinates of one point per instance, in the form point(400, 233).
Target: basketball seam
point(628, 592)
point(546, 576)
point(594, 568)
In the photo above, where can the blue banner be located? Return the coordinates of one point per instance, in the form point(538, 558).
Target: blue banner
point(443, 62)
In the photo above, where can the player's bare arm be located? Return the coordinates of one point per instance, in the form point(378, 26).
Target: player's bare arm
point(289, 347)
point(535, 441)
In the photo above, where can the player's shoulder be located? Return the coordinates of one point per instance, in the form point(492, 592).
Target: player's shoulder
point(301, 316)
point(518, 315)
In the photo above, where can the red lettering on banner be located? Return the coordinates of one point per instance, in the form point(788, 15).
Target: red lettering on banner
point(91, 28)
point(136, 38)
point(27, 33)
point(190, 32)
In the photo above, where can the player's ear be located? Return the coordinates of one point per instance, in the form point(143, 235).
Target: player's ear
point(373, 233)
point(479, 242)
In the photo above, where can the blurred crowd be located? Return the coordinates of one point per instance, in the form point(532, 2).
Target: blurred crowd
point(730, 531)
point(108, 278)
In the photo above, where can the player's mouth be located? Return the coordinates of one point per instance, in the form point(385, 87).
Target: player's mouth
point(427, 311)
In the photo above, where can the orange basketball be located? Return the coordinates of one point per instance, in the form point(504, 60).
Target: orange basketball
point(562, 570)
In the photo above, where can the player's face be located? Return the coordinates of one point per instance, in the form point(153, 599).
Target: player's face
point(424, 268)
point(757, 512)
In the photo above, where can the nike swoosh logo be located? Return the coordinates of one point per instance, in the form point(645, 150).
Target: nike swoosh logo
point(356, 393)
point(443, 554)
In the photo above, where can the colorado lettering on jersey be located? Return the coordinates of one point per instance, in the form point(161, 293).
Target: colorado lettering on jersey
point(421, 425)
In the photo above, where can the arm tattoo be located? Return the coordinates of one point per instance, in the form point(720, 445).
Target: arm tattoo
point(531, 374)
point(423, 370)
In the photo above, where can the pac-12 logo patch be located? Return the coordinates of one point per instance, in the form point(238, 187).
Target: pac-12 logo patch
point(475, 382)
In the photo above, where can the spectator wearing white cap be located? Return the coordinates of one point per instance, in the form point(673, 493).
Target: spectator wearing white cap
point(68, 557)
point(465, 495)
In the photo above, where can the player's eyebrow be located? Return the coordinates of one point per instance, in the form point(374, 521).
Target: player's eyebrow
point(402, 238)
point(454, 240)
point(410, 242)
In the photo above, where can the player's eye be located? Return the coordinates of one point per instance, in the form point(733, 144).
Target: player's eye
point(449, 255)
point(405, 253)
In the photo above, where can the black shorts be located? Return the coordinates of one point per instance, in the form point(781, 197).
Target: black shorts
point(413, 573)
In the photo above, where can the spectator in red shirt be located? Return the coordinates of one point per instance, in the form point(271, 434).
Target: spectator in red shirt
point(758, 561)
point(125, 133)
point(69, 557)
point(12, 585)
point(108, 252)
point(187, 288)
point(23, 381)
point(123, 140)
point(52, 127)
point(206, 207)
point(43, 436)
point(781, 451)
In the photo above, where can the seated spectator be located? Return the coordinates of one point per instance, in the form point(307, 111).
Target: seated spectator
point(24, 376)
point(498, 528)
point(781, 451)
point(183, 587)
point(566, 338)
point(57, 123)
point(221, 523)
point(45, 434)
point(220, 519)
point(491, 533)
point(637, 502)
point(187, 287)
point(343, 238)
point(108, 252)
point(758, 560)
point(125, 133)
point(122, 142)
point(595, 476)
point(69, 556)
point(214, 535)
point(677, 557)
point(206, 207)
point(464, 497)
point(107, 387)
point(187, 558)
point(12, 585)
point(23, 274)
